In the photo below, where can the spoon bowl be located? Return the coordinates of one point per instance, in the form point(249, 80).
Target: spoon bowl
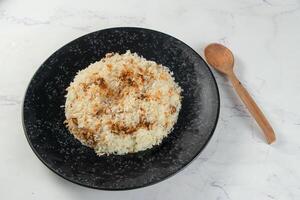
point(220, 57)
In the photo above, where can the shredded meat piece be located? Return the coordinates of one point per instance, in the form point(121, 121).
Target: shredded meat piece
point(120, 128)
point(109, 66)
point(172, 109)
point(101, 82)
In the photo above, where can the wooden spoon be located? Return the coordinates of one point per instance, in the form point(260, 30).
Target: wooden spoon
point(221, 58)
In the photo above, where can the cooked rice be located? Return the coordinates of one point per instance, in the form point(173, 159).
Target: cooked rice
point(122, 104)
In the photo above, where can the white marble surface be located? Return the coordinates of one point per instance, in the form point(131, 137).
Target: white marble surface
point(237, 163)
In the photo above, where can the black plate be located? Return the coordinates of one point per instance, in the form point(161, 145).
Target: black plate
point(43, 115)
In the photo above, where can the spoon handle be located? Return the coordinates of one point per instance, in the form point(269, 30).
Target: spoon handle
point(253, 108)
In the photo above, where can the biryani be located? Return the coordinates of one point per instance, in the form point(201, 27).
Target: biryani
point(122, 104)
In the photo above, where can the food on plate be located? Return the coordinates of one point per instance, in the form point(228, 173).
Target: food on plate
point(122, 104)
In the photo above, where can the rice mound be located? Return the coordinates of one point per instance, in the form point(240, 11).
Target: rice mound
point(122, 104)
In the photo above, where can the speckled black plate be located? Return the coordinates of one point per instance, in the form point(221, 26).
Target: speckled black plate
point(43, 115)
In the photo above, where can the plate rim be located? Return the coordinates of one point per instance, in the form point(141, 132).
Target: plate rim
point(149, 183)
